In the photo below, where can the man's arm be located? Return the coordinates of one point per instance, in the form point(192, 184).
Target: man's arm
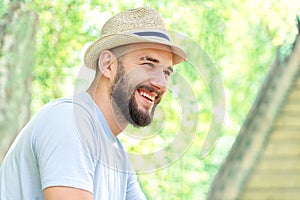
point(66, 193)
point(133, 189)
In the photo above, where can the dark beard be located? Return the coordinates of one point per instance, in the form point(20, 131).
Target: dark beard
point(123, 97)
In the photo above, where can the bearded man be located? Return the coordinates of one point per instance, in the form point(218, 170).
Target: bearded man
point(70, 149)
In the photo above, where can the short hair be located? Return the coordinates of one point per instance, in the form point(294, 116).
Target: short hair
point(118, 52)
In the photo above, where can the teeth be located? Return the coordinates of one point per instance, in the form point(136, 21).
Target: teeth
point(148, 96)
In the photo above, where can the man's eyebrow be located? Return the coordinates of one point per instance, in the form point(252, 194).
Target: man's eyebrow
point(171, 69)
point(149, 59)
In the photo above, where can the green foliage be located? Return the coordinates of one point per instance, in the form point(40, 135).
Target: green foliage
point(241, 38)
point(59, 43)
point(3, 8)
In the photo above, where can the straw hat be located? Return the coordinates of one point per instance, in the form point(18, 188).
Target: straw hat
point(128, 27)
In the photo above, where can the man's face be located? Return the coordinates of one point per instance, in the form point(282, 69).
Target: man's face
point(141, 81)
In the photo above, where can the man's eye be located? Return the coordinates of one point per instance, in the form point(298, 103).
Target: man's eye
point(167, 73)
point(149, 64)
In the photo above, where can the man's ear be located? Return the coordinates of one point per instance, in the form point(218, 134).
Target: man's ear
point(105, 62)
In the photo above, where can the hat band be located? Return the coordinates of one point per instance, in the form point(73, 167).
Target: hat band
point(152, 33)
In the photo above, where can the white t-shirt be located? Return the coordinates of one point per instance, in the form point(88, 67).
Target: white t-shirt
point(68, 143)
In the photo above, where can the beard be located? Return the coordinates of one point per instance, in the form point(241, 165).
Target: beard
point(122, 93)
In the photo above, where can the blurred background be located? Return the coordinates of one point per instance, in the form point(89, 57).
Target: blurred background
point(41, 49)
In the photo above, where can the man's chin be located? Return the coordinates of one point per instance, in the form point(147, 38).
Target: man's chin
point(140, 125)
point(141, 118)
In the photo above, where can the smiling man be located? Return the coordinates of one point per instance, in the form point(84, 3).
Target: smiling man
point(140, 82)
point(70, 149)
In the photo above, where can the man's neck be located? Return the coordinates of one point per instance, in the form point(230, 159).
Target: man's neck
point(102, 99)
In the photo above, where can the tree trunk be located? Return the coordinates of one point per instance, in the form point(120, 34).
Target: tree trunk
point(18, 29)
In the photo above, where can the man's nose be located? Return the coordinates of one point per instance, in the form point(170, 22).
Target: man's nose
point(159, 81)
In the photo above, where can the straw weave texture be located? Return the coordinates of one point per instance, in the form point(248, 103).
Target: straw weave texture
point(119, 30)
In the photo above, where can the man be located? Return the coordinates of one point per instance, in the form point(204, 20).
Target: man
point(70, 149)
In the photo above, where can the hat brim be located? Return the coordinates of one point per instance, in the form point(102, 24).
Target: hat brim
point(111, 41)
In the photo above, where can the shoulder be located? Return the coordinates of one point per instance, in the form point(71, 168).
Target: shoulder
point(65, 111)
point(59, 147)
point(61, 123)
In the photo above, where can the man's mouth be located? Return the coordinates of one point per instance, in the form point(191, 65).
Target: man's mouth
point(151, 97)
